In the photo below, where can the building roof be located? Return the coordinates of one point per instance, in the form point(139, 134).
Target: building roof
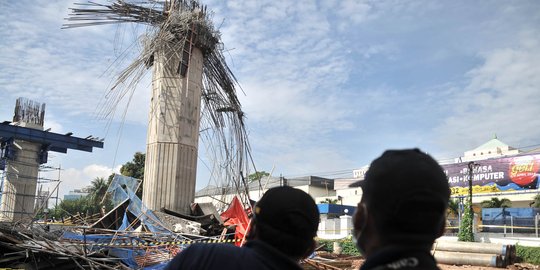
point(270, 182)
point(491, 144)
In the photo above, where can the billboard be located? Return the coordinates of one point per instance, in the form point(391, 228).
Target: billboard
point(495, 175)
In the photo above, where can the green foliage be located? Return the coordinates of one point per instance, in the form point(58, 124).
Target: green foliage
point(97, 190)
point(327, 244)
point(83, 206)
point(465, 233)
point(88, 205)
point(453, 207)
point(497, 203)
point(536, 202)
point(329, 201)
point(528, 254)
point(347, 246)
point(257, 176)
point(135, 169)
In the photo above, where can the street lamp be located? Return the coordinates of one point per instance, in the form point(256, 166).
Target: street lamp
point(471, 166)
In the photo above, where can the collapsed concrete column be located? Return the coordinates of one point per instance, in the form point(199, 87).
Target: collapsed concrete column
point(173, 130)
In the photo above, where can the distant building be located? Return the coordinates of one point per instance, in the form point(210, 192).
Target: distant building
point(42, 199)
point(313, 185)
point(500, 171)
point(491, 149)
point(77, 194)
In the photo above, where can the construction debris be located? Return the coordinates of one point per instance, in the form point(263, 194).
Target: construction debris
point(128, 237)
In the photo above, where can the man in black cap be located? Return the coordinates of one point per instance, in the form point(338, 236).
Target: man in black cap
point(402, 211)
point(282, 231)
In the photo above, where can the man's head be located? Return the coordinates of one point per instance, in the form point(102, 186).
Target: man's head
point(287, 219)
point(405, 194)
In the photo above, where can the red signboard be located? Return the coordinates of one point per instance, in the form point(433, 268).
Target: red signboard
point(495, 175)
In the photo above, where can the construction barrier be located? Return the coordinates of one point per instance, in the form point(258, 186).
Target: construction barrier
point(166, 243)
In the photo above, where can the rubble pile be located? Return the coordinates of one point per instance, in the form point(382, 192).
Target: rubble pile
point(127, 237)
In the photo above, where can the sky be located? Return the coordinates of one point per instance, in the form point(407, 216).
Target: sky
point(327, 85)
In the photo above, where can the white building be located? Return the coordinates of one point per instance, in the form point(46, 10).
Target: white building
point(77, 194)
point(315, 186)
point(491, 149)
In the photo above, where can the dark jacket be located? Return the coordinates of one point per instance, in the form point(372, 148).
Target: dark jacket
point(400, 258)
point(253, 255)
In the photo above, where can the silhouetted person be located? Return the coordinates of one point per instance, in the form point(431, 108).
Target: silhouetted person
point(282, 231)
point(402, 211)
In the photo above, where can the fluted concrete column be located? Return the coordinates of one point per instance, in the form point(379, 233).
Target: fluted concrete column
point(20, 182)
point(173, 132)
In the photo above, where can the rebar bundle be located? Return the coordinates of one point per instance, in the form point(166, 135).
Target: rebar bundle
point(29, 111)
point(180, 25)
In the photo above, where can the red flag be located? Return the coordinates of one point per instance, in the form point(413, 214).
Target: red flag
point(236, 215)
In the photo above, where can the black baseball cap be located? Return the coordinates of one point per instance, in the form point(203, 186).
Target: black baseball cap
point(407, 191)
point(288, 210)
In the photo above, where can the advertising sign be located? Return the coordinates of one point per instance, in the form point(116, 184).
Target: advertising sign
point(495, 175)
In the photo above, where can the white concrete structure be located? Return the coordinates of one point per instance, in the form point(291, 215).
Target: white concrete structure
point(315, 186)
point(173, 131)
point(19, 184)
point(335, 228)
point(491, 149)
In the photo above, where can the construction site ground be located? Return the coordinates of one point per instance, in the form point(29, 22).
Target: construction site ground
point(348, 263)
point(518, 266)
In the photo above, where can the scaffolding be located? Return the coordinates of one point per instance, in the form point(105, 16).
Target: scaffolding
point(47, 190)
point(44, 197)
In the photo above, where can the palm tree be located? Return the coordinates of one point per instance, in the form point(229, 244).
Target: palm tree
point(496, 203)
point(453, 208)
point(98, 189)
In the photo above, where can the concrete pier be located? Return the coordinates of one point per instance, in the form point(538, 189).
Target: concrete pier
point(24, 145)
point(173, 131)
point(19, 183)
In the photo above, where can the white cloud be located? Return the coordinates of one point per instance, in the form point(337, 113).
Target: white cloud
point(75, 178)
point(323, 79)
point(501, 97)
point(355, 11)
point(67, 69)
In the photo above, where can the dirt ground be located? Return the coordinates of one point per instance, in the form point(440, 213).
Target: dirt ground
point(518, 266)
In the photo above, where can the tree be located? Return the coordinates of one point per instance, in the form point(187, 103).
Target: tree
point(98, 188)
point(465, 233)
point(453, 207)
point(135, 169)
point(496, 203)
point(330, 201)
point(536, 201)
point(257, 176)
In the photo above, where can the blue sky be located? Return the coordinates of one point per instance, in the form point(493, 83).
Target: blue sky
point(329, 85)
